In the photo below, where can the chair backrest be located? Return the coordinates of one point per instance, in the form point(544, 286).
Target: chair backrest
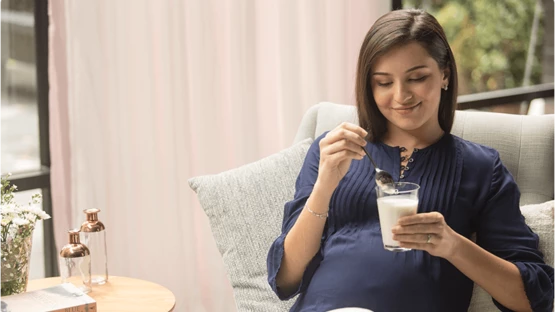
point(525, 143)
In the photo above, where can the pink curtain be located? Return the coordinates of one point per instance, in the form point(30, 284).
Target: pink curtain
point(60, 150)
point(146, 94)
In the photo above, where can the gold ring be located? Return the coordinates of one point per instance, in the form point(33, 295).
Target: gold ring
point(429, 238)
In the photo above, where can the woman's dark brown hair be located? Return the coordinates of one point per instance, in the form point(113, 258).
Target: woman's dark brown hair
point(391, 30)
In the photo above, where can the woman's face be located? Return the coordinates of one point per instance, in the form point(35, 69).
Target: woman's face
point(406, 84)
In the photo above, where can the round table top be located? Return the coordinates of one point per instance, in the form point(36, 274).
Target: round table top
point(121, 294)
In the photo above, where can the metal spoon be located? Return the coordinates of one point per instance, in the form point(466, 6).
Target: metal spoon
point(382, 177)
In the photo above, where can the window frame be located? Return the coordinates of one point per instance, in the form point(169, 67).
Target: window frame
point(40, 179)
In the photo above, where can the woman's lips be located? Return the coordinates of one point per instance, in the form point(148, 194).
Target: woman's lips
point(407, 110)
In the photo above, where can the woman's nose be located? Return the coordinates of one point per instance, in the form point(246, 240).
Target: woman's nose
point(402, 95)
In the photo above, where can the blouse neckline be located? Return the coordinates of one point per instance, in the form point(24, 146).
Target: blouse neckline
point(429, 147)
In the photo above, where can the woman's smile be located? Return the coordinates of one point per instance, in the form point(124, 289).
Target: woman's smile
point(405, 110)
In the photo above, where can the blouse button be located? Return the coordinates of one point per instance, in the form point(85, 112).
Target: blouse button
point(416, 150)
point(407, 168)
point(402, 177)
point(402, 149)
point(411, 160)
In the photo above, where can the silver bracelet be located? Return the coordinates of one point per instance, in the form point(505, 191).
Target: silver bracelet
point(319, 215)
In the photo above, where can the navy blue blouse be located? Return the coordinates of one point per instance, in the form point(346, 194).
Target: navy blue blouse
point(464, 181)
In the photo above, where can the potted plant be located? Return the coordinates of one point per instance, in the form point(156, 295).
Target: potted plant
point(18, 223)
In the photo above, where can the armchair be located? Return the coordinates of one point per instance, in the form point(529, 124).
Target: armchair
point(245, 205)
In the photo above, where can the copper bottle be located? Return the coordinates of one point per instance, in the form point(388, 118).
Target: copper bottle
point(75, 263)
point(93, 234)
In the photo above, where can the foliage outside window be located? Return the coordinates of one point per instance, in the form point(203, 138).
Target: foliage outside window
point(490, 40)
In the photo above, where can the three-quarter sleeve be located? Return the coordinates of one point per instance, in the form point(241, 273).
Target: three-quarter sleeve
point(303, 188)
point(502, 231)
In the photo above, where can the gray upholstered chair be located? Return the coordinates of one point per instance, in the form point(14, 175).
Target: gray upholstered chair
point(245, 205)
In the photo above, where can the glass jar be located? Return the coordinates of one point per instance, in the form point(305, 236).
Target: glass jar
point(75, 263)
point(93, 235)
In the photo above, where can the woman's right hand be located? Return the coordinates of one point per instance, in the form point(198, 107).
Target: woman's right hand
point(337, 149)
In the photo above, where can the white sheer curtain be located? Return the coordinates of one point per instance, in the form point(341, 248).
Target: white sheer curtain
point(146, 94)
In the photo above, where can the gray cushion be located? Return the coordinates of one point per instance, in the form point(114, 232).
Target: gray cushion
point(245, 210)
point(525, 143)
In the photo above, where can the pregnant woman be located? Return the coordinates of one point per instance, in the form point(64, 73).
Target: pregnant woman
point(331, 253)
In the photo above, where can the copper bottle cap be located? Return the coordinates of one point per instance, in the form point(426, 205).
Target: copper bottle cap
point(74, 249)
point(92, 224)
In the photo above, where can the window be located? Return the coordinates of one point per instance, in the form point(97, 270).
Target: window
point(24, 119)
point(497, 44)
point(20, 128)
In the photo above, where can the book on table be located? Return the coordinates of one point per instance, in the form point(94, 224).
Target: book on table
point(65, 297)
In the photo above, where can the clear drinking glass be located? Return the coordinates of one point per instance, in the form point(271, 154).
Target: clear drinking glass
point(395, 200)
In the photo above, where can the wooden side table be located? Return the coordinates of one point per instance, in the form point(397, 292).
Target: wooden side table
point(121, 294)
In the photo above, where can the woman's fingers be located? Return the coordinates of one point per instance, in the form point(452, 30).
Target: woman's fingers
point(344, 142)
point(417, 246)
point(420, 218)
point(348, 134)
point(342, 145)
point(426, 231)
point(345, 131)
point(345, 154)
point(415, 238)
point(418, 228)
point(337, 149)
point(353, 128)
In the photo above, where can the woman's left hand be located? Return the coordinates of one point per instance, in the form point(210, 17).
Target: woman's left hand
point(427, 231)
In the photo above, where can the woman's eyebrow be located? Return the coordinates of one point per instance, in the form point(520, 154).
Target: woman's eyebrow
point(408, 70)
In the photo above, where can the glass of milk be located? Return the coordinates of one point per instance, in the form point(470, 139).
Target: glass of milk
point(395, 200)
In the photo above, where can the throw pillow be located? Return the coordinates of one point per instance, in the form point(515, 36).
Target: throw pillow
point(245, 210)
point(539, 218)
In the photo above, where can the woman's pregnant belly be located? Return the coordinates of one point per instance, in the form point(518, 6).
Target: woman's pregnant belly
point(358, 272)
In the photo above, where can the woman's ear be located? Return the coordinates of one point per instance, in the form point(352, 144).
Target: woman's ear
point(446, 75)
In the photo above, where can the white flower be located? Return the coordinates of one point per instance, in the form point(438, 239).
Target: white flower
point(36, 210)
point(8, 216)
point(27, 208)
point(8, 208)
point(43, 215)
point(18, 209)
point(31, 217)
point(20, 221)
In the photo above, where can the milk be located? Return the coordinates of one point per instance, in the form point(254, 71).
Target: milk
point(390, 209)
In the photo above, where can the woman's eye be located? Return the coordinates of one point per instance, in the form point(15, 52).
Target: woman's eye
point(419, 78)
point(383, 84)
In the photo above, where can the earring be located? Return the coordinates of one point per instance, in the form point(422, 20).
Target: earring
point(445, 87)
